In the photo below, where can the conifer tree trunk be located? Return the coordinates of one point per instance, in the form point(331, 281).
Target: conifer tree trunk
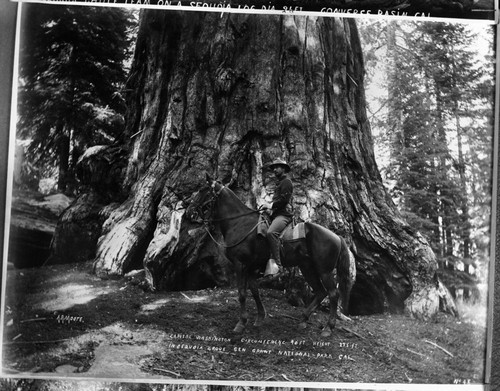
point(63, 147)
point(226, 94)
point(465, 232)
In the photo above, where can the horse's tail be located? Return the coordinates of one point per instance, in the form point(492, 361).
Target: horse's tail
point(344, 275)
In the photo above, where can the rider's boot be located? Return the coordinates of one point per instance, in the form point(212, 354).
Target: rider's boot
point(273, 268)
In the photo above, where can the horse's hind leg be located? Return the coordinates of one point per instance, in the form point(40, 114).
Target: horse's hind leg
point(242, 297)
point(319, 291)
point(261, 311)
point(329, 282)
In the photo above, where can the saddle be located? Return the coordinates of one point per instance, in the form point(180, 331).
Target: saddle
point(293, 232)
point(292, 240)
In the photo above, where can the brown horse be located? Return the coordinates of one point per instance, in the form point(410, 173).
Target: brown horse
point(321, 252)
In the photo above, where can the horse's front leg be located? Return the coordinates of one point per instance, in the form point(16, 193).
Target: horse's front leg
point(261, 311)
point(242, 278)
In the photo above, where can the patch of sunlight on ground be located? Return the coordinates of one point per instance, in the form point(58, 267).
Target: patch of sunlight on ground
point(154, 305)
point(117, 350)
point(195, 299)
point(69, 295)
point(188, 298)
point(64, 278)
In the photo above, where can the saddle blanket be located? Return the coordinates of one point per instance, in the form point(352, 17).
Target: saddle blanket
point(293, 232)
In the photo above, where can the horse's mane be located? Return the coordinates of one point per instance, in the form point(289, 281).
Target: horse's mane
point(235, 197)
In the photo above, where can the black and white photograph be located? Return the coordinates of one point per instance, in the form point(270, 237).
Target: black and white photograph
point(199, 200)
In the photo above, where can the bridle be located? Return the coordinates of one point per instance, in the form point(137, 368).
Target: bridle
point(207, 222)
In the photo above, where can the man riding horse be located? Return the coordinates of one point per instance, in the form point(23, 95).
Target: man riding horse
point(323, 257)
point(281, 215)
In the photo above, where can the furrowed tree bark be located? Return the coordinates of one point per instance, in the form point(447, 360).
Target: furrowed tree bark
point(227, 94)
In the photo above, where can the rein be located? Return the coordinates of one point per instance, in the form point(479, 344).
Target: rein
point(233, 217)
point(234, 244)
point(206, 221)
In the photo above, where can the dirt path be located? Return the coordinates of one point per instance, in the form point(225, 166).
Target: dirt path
point(62, 319)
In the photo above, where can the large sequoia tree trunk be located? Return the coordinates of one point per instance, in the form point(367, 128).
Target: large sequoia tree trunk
point(229, 93)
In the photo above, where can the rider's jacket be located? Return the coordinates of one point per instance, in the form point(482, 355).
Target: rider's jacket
point(281, 204)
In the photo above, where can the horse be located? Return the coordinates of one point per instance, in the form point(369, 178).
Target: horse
point(317, 257)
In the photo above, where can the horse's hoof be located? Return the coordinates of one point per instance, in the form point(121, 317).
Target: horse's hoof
point(341, 316)
point(259, 321)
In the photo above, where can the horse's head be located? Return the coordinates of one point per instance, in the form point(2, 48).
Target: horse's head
point(201, 206)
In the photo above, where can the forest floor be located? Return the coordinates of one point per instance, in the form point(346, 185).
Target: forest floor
point(63, 321)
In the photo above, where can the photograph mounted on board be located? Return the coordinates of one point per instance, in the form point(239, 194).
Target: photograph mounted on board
point(337, 169)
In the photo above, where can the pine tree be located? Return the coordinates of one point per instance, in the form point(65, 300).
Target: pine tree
point(71, 75)
point(437, 131)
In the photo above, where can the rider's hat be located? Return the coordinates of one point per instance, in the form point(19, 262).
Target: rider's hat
point(280, 162)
